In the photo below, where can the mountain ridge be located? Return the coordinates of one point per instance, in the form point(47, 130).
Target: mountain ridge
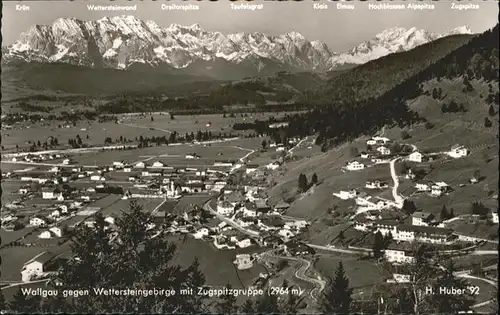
point(120, 41)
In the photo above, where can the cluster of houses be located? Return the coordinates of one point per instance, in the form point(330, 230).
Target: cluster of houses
point(37, 158)
point(423, 228)
point(252, 211)
point(434, 188)
point(379, 152)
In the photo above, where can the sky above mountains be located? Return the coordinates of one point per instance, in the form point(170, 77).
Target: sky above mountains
point(339, 29)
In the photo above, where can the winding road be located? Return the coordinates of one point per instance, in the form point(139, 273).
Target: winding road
point(397, 197)
point(301, 273)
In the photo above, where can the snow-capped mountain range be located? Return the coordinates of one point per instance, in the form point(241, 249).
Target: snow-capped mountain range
point(120, 41)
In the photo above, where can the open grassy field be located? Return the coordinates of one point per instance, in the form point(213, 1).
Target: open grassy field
point(478, 229)
point(172, 155)
point(216, 265)
point(9, 167)
point(360, 272)
point(456, 173)
point(116, 209)
point(108, 157)
point(10, 236)
point(95, 131)
point(192, 123)
point(10, 191)
point(466, 262)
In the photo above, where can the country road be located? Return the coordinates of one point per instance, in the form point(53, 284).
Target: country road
point(397, 197)
point(484, 252)
point(150, 128)
point(301, 273)
point(337, 250)
point(79, 150)
point(47, 164)
point(468, 276)
point(296, 146)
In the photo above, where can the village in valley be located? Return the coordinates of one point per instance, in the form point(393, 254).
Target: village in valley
point(272, 167)
point(226, 204)
point(217, 201)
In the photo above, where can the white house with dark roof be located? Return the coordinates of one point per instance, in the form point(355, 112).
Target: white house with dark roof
point(345, 195)
point(139, 165)
point(45, 235)
point(399, 256)
point(35, 266)
point(118, 163)
point(494, 216)
point(51, 193)
point(354, 166)
point(201, 233)
point(226, 163)
point(399, 278)
point(365, 155)
point(376, 140)
point(157, 164)
point(56, 231)
point(376, 184)
point(225, 208)
point(439, 188)
point(36, 221)
point(242, 241)
point(285, 234)
point(384, 150)
point(51, 233)
point(458, 151)
point(273, 165)
point(243, 261)
point(423, 186)
point(250, 168)
point(421, 218)
point(416, 157)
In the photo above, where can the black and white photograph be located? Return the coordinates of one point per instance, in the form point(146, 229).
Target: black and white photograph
point(249, 157)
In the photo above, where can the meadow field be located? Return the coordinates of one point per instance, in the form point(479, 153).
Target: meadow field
point(216, 265)
point(361, 273)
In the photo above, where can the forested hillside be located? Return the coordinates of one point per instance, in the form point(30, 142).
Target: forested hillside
point(341, 121)
point(376, 77)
